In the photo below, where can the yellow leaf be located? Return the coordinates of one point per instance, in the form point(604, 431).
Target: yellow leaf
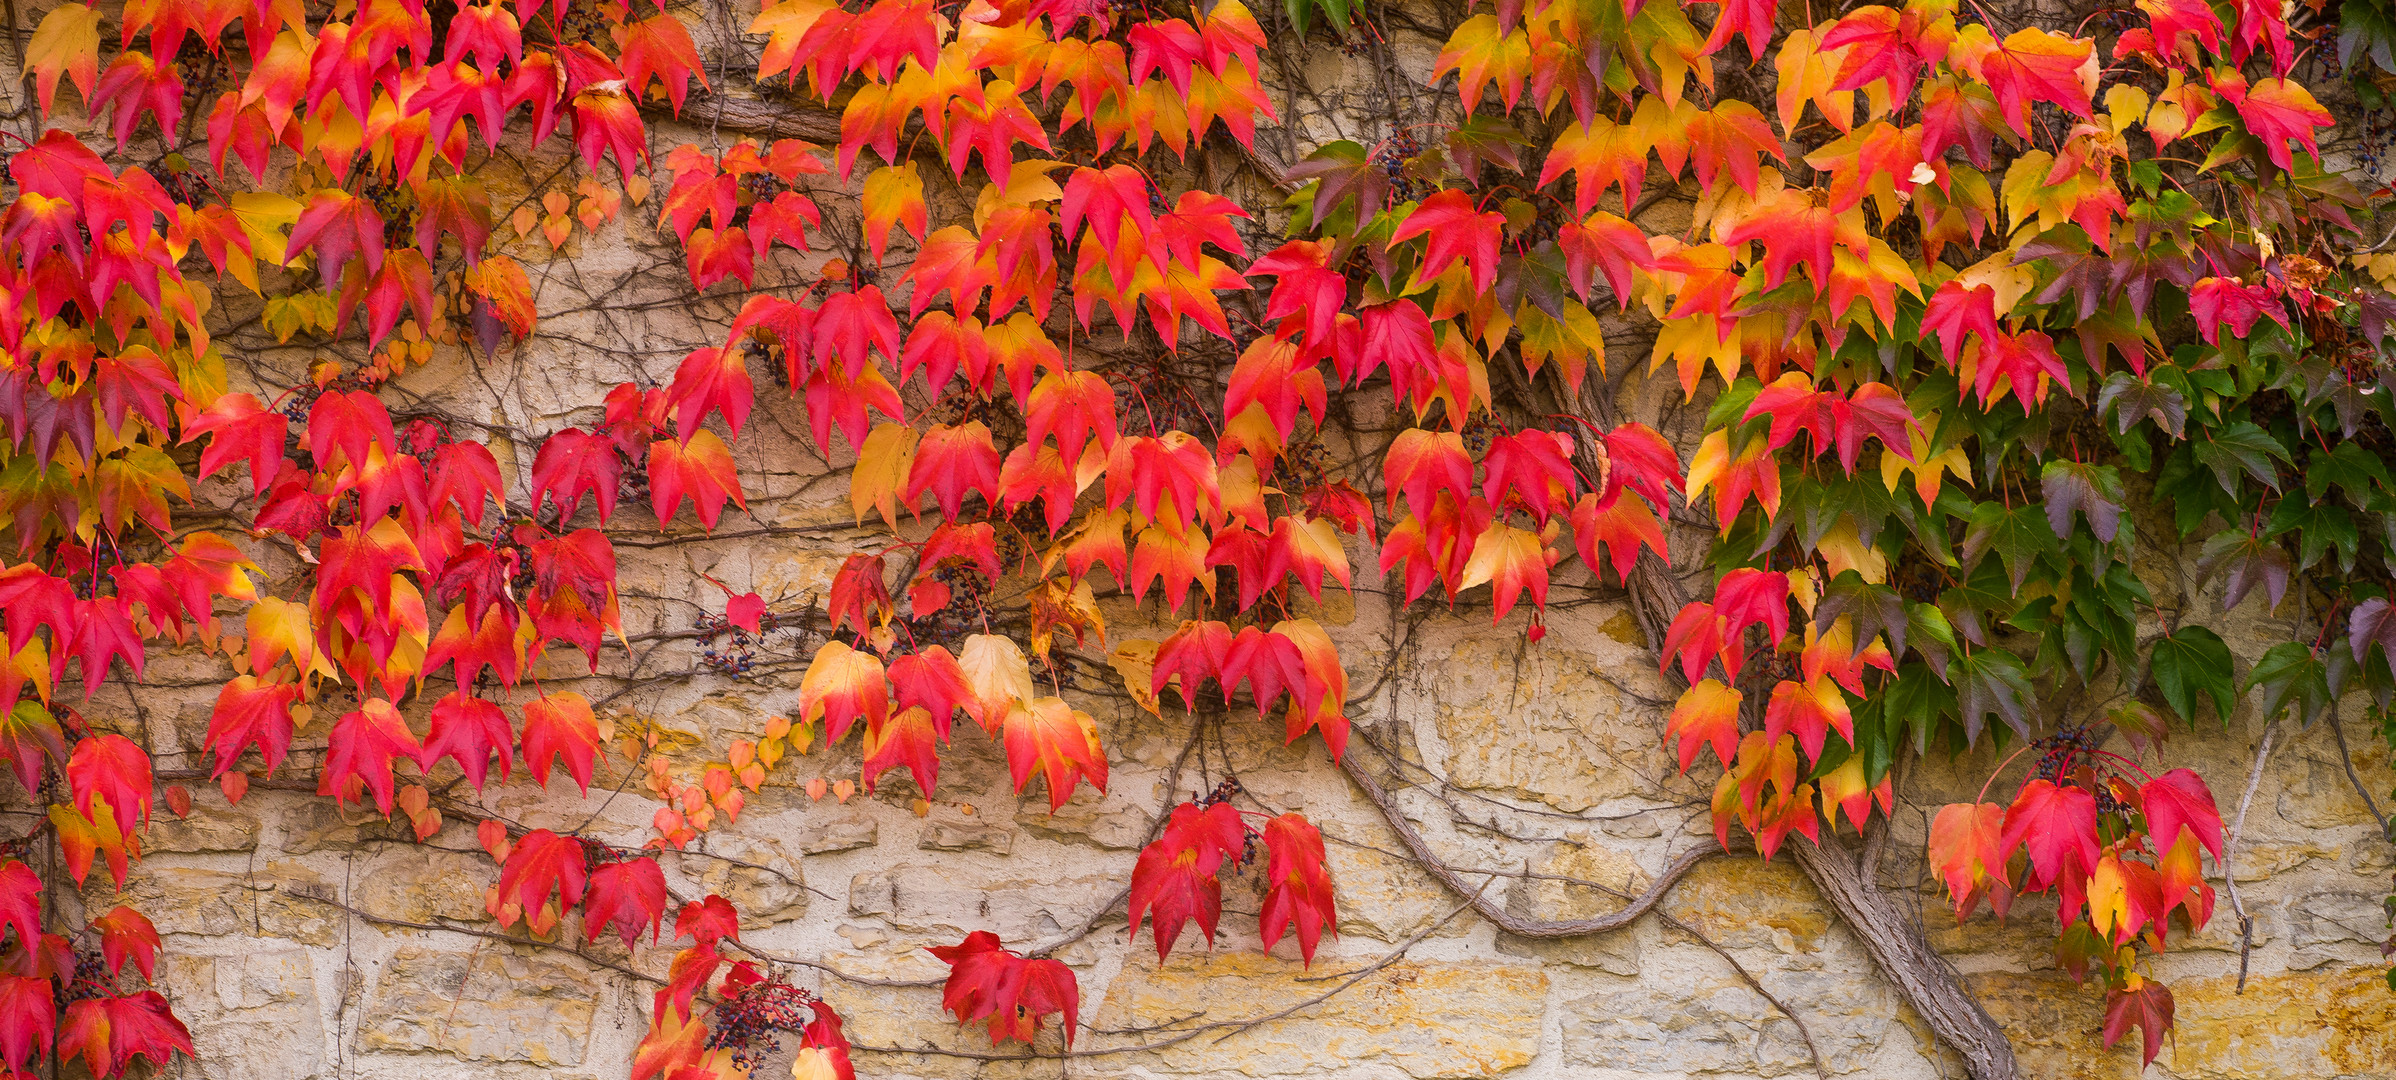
point(1135, 661)
point(67, 43)
point(882, 467)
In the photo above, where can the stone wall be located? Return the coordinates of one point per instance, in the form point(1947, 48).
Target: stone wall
point(288, 956)
point(304, 942)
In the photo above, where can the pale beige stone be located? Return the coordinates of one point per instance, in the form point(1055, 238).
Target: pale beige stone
point(1719, 1024)
point(252, 1014)
point(271, 902)
point(482, 1003)
point(420, 885)
point(1544, 724)
point(1419, 1018)
point(755, 873)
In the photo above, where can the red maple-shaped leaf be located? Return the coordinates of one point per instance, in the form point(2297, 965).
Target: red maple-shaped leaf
point(1175, 879)
point(690, 971)
point(1421, 464)
point(1457, 230)
point(1967, 850)
point(249, 713)
point(707, 921)
point(2144, 1003)
point(1300, 892)
point(1535, 466)
point(933, 681)
point(859, 599)
point(950, 461)
point(573, 463)
point(240, 429)
point(142, 1025)
point(989, 981)
point(2038, 65)
point(21, 902)
point(28, 1021)
point(1617, 522)
point(2279, 111)
point(126, 934)
point(842, 686)
point(541, 864)
point(362, 746)
point(2058, 824)
point(909, 740)
point(1059, 742)
point(2179, 800)
point(1811, 710)
point(626, 896)
point(114, 768)
point(700, 468)
point(711, 380)
point(470, 731)
point(1707, 714)
point(560, 725)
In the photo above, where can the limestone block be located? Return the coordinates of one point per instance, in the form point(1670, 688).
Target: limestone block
point(1721, 1025)
point(1543, 725)
point(486, 1004)
point(420, 885)
point(1743, 902)
point(1117, 822)
point(756, 873)
point(967, 836)
point(210, 903)
point(950, 899)
point(1617, 876)
point(209, 829)
point(252, 1014)
point(823, 834)
point(1380, 896)
point(1418, 1018)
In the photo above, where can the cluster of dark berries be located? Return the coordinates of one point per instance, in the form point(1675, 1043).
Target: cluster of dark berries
point(1303, 466)
point(750, 1021)
point(1394, 158)
point(737, 655)
point(91, 978)
point(1478, 433)
point(2061, 747)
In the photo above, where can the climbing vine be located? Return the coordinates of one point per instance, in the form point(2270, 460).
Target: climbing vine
point(1974, 316)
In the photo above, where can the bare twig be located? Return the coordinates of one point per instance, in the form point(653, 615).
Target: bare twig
point(2229, 851)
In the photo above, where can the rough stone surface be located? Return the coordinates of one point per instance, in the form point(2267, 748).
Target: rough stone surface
point(1424, 1019)
point(480, 1004)
point(253, 1014)
point(1541, 757)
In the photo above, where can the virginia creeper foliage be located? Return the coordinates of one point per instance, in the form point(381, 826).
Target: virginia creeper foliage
point(1952, 303)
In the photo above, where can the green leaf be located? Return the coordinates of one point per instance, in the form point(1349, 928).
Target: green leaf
point(2291, 674)
point(2018, 536)
point(2241, 447)
point(2130, 399)
point(2092, 491)
point(2193, 661)
point(2348, 465)
point(1992, 681)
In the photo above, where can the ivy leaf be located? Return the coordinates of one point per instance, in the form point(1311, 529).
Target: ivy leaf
point(2372, 623)
point(2237, 448)
point(988, 981)
point(1992, 681)
point(2143, 1002)
point(2018, 536)
point(2191, 661)
point(1300, 891)
point(2244, 560)
point(2092, 491)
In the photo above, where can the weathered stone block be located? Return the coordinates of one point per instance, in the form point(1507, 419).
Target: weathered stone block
point(254, 1014)
point(755, 873)
point(487, 1004)
point(1416, 1018)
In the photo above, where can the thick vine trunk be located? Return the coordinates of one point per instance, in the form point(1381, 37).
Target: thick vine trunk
point(1921, 976)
